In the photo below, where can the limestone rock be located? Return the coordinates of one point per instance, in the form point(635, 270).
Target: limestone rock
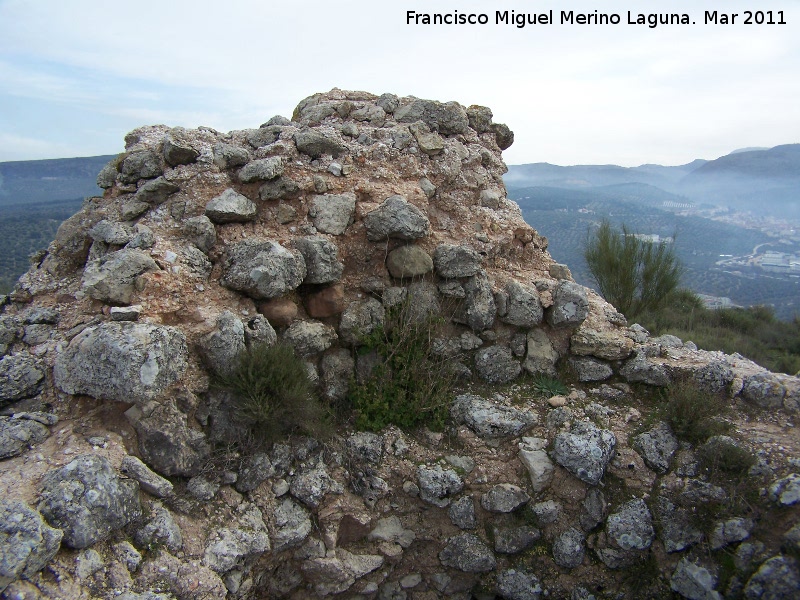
point(786, 491)
point(332, 213)
point(360, 319)
point(585, 451)
point(309, 337)
point(227, 156)
point(568, 548)
point(504, 498)
point(337, 368)
point(18, 434)
point(178, 150)
point(776, 579)
point(261, 170)
point(408, 261)
point(140, 165)
point(467, 552)
point(113, 277)
point(540, 467)
point(397, 218)
point(640, 369)
point(156, 191)
point(127, 362)
point(21, 377)
point(518, 584)
point(540, 357)
point(730, 531)
point(570, 305)
point(677, 533)
point(27, 543)
point(657, 446)
point(231, 207)
point(292, 525)
point(390, 529)
point(462, 513)
point(694, 582)
point(321, 257)
point(222, 347)
point(513, 540)
point(489, 420)
point(589, 369)
point(453, 261)
point(496, 364)
point(88, 501)
point(262, 269)
point(365, 447)
point(200, 231)
point(228, 546)
point(311, 485)
point(480, 307)
point(150, 482)
point(447, 118)
point(160, 529)
point(631, 527)
point(437, 485)
point(317, 144)
point(255, 469)
point(523, 306)
point(110, 233)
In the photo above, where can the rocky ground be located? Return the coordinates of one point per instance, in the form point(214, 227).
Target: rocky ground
point(121, 476)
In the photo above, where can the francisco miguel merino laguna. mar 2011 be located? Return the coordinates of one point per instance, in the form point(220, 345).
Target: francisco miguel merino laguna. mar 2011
point(570, 17)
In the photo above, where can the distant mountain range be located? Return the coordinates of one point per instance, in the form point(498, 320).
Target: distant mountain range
point(699, 202)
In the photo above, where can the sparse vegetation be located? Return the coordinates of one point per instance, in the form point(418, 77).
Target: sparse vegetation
point(411, 384)
point(692, 413)
point(634, 275)
point(545, 385)
point(273, 394)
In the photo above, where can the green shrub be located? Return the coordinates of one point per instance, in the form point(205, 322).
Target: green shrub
point(548, 386)
point(411, 385)
point(273, 395)
point(692, 413)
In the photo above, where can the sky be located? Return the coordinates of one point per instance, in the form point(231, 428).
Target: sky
point(77, 75)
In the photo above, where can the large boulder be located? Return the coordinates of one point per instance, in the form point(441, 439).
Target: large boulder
point(262, 269)
point(113, 277)
point(447, 118)
point(127, 362)
point(27, 543)
point(321, 256)
point(88, 500)
point(332, 213)
point(397, 218)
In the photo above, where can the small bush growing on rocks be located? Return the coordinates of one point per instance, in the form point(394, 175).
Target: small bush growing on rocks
point(411, 384)
point(273, 394)
point(692, 413)
point(548, 386)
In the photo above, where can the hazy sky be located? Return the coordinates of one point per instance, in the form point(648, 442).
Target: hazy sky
point(76, 75)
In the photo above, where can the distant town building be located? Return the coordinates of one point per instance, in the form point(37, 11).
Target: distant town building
point(716, 302)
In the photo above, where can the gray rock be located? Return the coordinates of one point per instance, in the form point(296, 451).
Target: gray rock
point(21, 376)
point(547, 512)
point(177, 150)
point(222, 348)
point(311, 485)
point(372, 113)
point(334, 574)
point(261, 170)
point(388, 102)
point(448, 118)
point(107, 176)
point(200, 231)
point(229, 546)
point(321, 256)
point(110, 233)
point(156, 191)
point(17, 435)
point(37, 333)
point(360, 319)
point(480, 118)
point(408, 261)
point(504, 498)
point(231, 207)
point(167, 443)
point(309, 337)
point(201, 488)
point(490, 199)
point(462, 513)
point(159, 529)
point(479, 306)
point(694, 582)
point(140, 165)
point(791, 539)
point(364, 448)
point(10, 330)
point(777, 579)
point(456, 261)
point(496, 364)
point(523, 306)
point(88, 501)
point(585, 451)
point(397, 218)
point(132, 209)
point(27, 543)
point(731, 531)
point(255, 470)
point(277, 189)
point(430, 142)
point(227, 156)
point(263, 136)
point(113, 277)
point(87, 563)
point(143, 238)
point(590, 369)
point(489, 420)
point(695, 490)
point(258, 331)
point(631, 527)
point(764, 390)
point(502, 135)
point(292, 525)
point(568, 548)
point(337, 368)
point(639, 369)
point(317, 144)
point(127, 362)
point(423, 303)
point(262, 269)
point(427, 187)
point(437, 485)
point(127, 555)
point(467, 552)
point(513, 540)
point(332, 213)
point(786, 491)
point(570, 305)
point(657, 446)
point(518, 584)
point(593, 509)
point(150, 482)
point(541, 356)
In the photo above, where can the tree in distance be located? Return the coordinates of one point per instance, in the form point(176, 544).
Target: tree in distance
point(633, 274)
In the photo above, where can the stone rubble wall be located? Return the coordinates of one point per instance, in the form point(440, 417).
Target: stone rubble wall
point(307, 230)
